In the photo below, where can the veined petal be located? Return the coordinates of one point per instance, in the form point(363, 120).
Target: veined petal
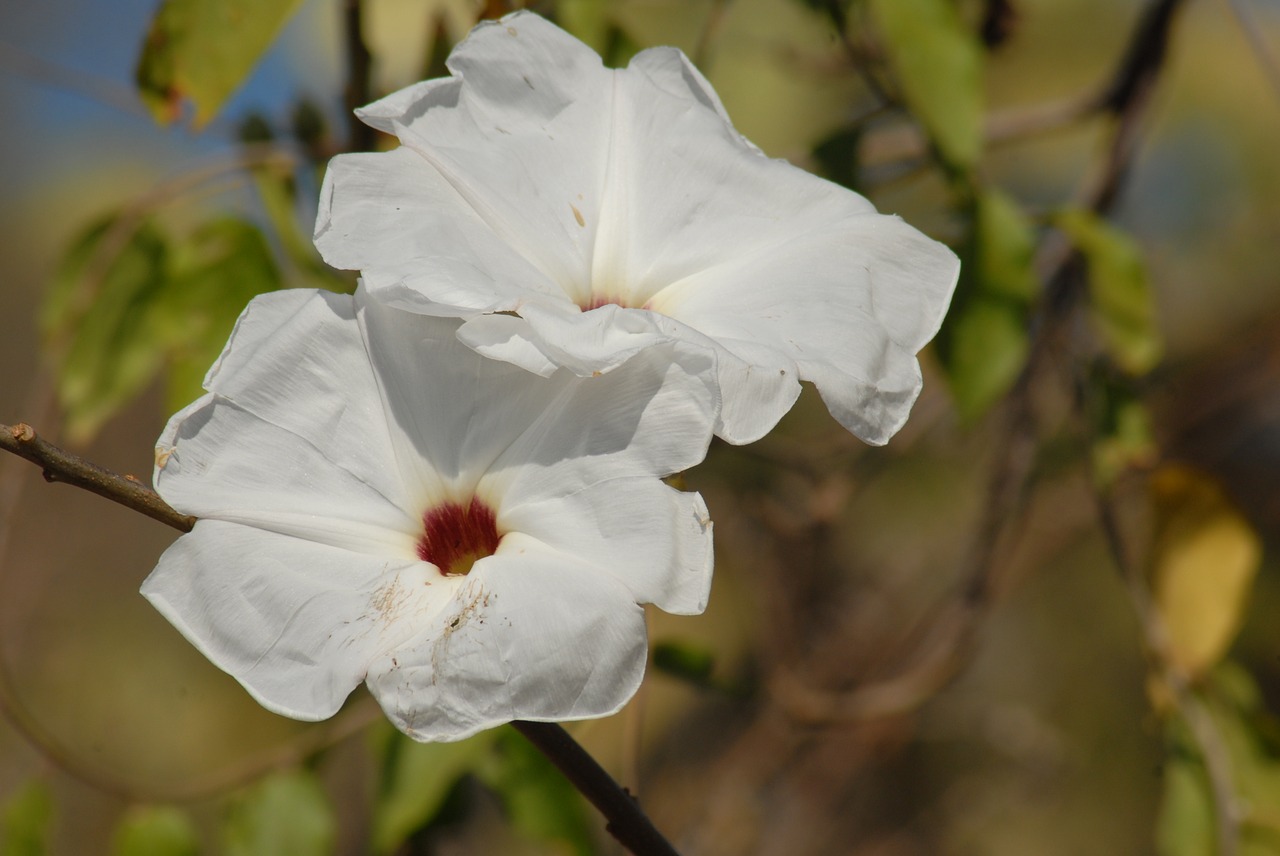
point(226, 464)
point(656, 540)
point(520, 135)
point(417, 241)
point(851, 303)
point(295, 361)
point(652, 416)
point(296, 622)
point(533, 634)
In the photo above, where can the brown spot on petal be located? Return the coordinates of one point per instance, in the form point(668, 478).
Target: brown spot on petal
point(162, 457)
point(577, 215)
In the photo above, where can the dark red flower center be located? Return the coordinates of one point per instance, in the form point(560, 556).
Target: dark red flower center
point(455, 536)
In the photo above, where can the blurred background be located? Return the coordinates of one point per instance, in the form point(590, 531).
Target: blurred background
point(1042, 620)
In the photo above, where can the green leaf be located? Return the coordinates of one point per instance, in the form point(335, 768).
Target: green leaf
point(1004, 247)
point(939, 67)
point(129, 300)
point(986, 346)
point(1185, 823)
point(985, 342)
point(1120, 292)
point(217, 271)
point(286, 812)
point(25, 821)
point(539, 801)
point(684, 661)
point(202, 51)
point(417, 779)
point(1124, 437)
point(155, 831)
point(99, 322)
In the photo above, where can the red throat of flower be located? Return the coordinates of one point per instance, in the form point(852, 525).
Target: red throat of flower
point(455, 537)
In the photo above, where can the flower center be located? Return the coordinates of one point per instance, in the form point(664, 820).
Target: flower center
point(455, 537)
point(595, 301)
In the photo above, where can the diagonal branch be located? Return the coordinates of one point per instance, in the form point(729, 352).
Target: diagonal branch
point(60, 465)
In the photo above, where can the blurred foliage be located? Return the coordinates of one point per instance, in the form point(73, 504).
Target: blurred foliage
point(1119, 290)
point(131, 299)
point(285, 812)
point(1250, 732)
point(26, 819)
point(539, 802)
point(984, 344)
point(1206, 556)
point(201, 52)
point(155, 831)
point(939, 67)
point(416, 779)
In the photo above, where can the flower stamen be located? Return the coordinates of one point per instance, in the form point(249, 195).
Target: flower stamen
point(455, 536)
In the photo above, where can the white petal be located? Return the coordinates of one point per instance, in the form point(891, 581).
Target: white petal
point(850, 303)
point(295, 360)
point(297, 623)
point(652, 416)
point(227, 464)
point(757, 384)
point(418, 243)
point(585, 343)
point(531, 635)
point(521, 137)
point(656, 540)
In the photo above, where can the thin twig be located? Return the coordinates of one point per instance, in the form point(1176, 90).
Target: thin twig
point(62, 466)
point(626, 822)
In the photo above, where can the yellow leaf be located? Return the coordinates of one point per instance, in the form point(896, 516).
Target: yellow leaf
point(1206, 556)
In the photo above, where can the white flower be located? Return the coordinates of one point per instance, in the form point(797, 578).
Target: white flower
point(611, 209)
point(378, 503)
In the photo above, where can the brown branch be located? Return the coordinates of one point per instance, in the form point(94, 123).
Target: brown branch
point(60, 465)
point(626, 822)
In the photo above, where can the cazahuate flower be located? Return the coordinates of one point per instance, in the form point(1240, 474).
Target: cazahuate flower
point(378, 503)
point(573, 214)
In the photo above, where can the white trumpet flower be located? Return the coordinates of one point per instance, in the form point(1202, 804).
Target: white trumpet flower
point(378, 503)
point(572, 215)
